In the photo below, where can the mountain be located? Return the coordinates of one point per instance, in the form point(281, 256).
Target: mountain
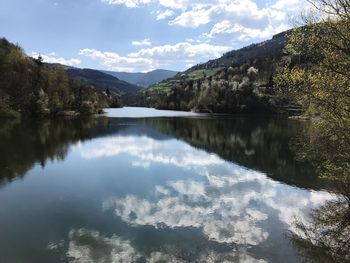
point(102, 81)
point(143, 79)
point(269, 50)
point(241, 81)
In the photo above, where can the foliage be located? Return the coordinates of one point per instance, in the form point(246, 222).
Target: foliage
point(28, 86)
point(318, 77)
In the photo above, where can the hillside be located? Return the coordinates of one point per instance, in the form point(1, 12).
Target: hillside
point(28, 86)
point(239, 81)
point(102, 81)
point(143, 79)
point(267, 51)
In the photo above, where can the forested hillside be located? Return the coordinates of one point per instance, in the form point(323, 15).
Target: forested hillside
point(27, 86)
point(239, 81)
point(102, 81)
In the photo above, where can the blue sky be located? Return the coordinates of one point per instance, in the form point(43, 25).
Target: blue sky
point(140, 35)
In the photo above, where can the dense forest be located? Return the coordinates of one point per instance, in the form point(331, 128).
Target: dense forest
point(27, 86)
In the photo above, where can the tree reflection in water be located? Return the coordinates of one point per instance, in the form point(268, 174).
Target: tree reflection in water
point(24, 143)
point(326, 236)
point(261, 143)
point(286, 152)
point(258, 144)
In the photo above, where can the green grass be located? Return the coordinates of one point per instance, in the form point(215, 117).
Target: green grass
point(200, 73)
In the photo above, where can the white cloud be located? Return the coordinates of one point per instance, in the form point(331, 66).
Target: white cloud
point(245, 18)
point(128, 3)
point(233, 31)
point(144, 42)
point(193, 18)
point(156, 57)
point(114, 61)
point(165, 14)
point(53, 58)
point(181, 50)
point(174, 4)
point(289, 5)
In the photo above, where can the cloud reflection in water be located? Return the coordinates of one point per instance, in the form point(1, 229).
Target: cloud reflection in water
point(227, 202)
point(89, 246)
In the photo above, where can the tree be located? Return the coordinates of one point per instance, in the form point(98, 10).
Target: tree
point(108, 93)
point(318, 77)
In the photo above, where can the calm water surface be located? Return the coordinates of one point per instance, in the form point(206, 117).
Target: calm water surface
point(174, 188)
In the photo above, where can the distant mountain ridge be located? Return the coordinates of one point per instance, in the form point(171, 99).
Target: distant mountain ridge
point(143, 79)
point(101, 81)
point(119, 83)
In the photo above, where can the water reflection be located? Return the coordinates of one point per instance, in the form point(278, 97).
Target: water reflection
point(28, 142)
point(263, 144)
point(87, 246)
point(226, 201)
point(230, 204)
point(325, 236)
point(152, 190)
point(259, 144)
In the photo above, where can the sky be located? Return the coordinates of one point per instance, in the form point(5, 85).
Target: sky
point(140, 35)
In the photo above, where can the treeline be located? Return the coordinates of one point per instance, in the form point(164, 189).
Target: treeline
point(234, 89)
point(27, 86)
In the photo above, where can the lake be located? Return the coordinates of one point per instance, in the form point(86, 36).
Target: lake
point(141, 185)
